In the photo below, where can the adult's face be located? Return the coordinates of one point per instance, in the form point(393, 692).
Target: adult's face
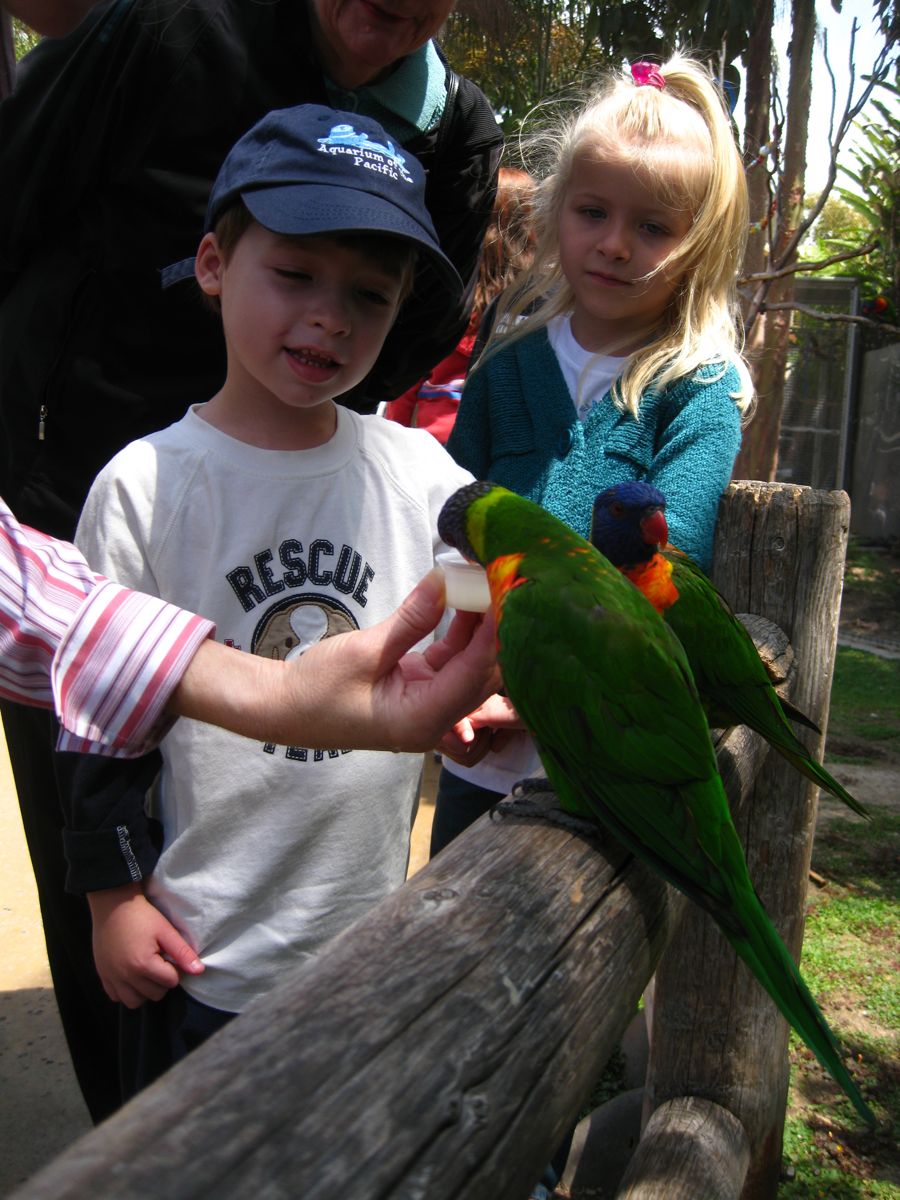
point(359, 40)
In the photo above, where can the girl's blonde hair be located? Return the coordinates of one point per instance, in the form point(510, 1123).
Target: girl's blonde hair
point(681, 137)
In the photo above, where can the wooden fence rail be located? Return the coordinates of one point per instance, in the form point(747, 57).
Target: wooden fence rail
point(443, 1044)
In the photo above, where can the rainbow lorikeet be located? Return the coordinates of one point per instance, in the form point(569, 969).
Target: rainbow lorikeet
point(630, 529)
point(605, 689)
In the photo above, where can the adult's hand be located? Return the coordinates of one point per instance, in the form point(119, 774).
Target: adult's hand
point(366, 690)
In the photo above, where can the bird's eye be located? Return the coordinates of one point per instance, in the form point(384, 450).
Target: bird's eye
point(617, 509)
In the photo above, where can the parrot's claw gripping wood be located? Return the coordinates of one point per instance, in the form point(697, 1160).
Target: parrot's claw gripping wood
point(534, 799)
point(532, 785)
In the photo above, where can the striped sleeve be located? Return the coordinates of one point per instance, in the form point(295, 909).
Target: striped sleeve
point(106, 658)
point(116, 667)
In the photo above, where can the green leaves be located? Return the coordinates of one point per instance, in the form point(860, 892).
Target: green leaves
point(870, 189)
point(523, 51)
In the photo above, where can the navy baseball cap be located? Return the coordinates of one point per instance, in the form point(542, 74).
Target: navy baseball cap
point(316, 170)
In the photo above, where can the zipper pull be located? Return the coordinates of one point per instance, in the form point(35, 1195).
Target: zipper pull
point(42, 422)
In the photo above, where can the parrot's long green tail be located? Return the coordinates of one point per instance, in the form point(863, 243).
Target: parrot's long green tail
point(807, 765)
point(798, 715)
point(742, 919)
point(764, 952)
point(748, 709)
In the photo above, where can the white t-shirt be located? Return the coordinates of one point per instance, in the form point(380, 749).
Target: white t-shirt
point(589, 376)
point(271, 850)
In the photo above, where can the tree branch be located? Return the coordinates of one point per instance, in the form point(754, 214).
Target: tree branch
point(851, 111)
point(766, 276)
point(845, 318)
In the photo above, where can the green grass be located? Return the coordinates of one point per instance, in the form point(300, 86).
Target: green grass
point(867, 568)
point(864, 719)
point(865, 699)
point(850, 962)
point(821, 1172)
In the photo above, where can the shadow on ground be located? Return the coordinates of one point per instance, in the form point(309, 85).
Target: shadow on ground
point(42, 1109)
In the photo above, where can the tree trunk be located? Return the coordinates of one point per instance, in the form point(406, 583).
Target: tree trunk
point(758, 458)
point(757, 105)
point(757, 133)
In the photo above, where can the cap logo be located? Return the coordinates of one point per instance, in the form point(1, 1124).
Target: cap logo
point(372, 156)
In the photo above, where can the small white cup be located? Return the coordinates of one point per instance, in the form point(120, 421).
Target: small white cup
point(467, 587)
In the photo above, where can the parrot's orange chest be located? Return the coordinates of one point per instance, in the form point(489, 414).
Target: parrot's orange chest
point(503, 575)
point(654, 579)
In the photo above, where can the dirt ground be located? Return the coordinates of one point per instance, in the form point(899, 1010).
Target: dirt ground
point(41, 1110)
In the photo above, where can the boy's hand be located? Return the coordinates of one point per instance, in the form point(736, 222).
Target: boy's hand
point(488, 728)
point(133, 946)
point(496, 713)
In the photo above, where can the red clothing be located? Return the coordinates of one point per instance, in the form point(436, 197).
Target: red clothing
point(431, 403)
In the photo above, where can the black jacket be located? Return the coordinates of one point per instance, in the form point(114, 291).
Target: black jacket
point(108, 148)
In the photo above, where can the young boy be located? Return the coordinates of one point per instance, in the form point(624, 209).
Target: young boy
point(285, 519)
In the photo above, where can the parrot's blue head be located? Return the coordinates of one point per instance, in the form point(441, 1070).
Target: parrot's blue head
point(629, 523)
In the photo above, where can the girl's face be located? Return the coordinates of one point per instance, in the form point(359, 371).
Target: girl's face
point(613, 231)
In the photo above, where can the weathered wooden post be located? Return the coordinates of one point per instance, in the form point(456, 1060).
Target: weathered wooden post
point(779, 552)
point(691, 1148)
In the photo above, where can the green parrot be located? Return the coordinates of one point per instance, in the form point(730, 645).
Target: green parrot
point(605, 689)
point(630, 529)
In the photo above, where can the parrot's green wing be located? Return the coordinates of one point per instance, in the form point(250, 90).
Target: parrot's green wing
point(611, 734)
point(730, 676)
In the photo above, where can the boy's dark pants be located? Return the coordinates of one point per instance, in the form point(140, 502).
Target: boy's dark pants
point(458, 803)
point(159, 1034)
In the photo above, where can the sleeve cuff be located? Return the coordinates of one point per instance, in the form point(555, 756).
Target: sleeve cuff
point(106, 858)
point(116, 668)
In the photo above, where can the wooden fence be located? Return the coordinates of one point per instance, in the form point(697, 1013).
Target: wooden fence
point(443, 1044)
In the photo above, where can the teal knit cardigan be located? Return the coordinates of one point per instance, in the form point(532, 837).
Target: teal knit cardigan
point(517, 426)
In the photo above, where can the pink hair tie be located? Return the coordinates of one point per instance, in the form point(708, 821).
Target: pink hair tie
point(647, 73)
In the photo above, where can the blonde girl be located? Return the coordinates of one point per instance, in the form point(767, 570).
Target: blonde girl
point(616, 356)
